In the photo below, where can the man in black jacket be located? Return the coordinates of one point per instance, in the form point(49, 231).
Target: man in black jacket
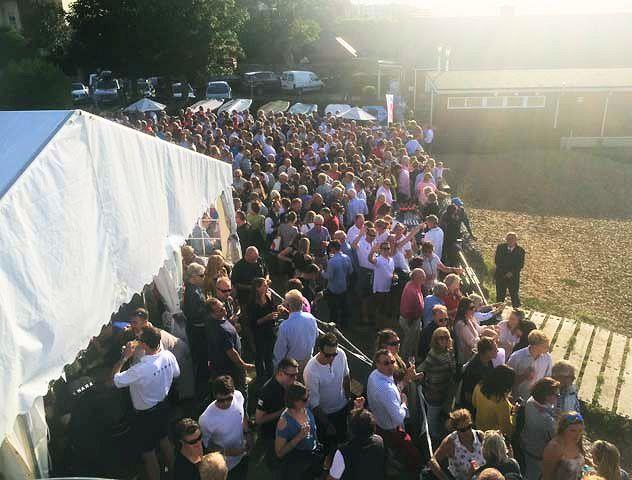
point(509, 261)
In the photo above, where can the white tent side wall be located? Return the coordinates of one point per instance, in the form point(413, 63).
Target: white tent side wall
point(90, 221)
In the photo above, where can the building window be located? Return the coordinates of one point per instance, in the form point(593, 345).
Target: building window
point(496, 102)
point(456, 102)
point(516, 101)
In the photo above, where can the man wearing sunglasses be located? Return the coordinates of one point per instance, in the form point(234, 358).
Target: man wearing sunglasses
point(271, 403)
point(189, 452)
point(224, 426)
point(390, 408)
point(224, 292)
point(327, 379)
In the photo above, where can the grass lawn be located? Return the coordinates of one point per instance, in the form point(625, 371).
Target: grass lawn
point(572, 212)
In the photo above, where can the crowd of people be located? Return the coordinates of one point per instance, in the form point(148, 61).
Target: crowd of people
point(317, 201)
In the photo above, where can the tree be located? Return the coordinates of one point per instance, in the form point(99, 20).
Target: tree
point(13, 46)
point(33, 83)
point(279, 31)
point(186, 39)
point(46, 30)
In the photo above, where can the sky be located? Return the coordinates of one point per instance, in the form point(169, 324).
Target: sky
point(521, 7)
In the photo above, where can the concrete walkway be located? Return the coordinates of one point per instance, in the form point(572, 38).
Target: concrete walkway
point(603, 364)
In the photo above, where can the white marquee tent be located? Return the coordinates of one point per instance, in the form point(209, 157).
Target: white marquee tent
point(90, 212)
point(145, 105)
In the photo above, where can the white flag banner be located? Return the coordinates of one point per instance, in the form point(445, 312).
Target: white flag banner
point(390, 100)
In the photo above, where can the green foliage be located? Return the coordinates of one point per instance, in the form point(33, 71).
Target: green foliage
point(369, 91)
point(182, 40)
point(279, 31)
point(13, 46)
point(32, 84)
point(46, 30)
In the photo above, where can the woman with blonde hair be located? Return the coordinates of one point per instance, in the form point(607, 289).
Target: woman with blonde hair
point(606, 460)
point(215, 268)
point(563, 457)
point(463, 448)
point(496, 454)
point(439, 369)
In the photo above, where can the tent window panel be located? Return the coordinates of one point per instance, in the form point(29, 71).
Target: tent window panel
point(456, 102)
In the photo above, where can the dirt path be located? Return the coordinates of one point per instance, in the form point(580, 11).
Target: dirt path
point(576, 267)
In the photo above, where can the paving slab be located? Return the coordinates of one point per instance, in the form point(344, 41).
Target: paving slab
point(597, 356)
point(563, 339)
point(612, 372)
point(624, 406)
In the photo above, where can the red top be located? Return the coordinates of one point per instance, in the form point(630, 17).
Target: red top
point(452, 302)
point(411, 306)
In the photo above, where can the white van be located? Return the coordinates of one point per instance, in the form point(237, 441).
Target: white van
point(300, 81)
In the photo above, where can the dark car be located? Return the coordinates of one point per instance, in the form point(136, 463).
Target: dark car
point(261, 82)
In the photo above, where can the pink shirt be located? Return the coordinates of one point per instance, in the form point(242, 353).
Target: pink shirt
point(411, 306)
point(420, 191)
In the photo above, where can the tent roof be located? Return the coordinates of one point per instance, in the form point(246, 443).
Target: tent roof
point(543, 79)
point(145, 105)
point(22, 136)
point(356, 113)
point(91, 211)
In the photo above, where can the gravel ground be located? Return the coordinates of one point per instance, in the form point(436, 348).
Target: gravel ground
point(575, 267)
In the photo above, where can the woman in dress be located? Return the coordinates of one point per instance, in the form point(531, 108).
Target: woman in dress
point(296, 438)
point(463, 448)
point(466, 330)
point(262, 315)
point(563, 457)
point(508, 334)
point(439, 384)
point(606, 460)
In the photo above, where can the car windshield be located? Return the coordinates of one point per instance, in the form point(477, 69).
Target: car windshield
point(106, 84)
point(216, 88)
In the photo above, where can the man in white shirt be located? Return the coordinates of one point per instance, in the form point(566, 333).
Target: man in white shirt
point(434, 234)
point(356, 228)
point(531, 364)
point(390, 408)
point(224, 425)
point(363, 244)
point(383, 276)
point(297, 335)
point(327, 379)
point(149, 382)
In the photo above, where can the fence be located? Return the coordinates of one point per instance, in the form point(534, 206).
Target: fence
point(567, 143)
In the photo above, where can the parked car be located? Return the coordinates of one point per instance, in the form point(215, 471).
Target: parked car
point(107, 89)
point(261, 82)
point(182, 91)
point(145, 88)
point(79, 92)
point(301, 81)
point(218, 90)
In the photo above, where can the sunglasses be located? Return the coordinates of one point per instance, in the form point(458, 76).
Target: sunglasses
point(388, 362)
point(394, 343)
point(443, 319)
point(330, 355)
point(225, 290)
point(193, 441)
